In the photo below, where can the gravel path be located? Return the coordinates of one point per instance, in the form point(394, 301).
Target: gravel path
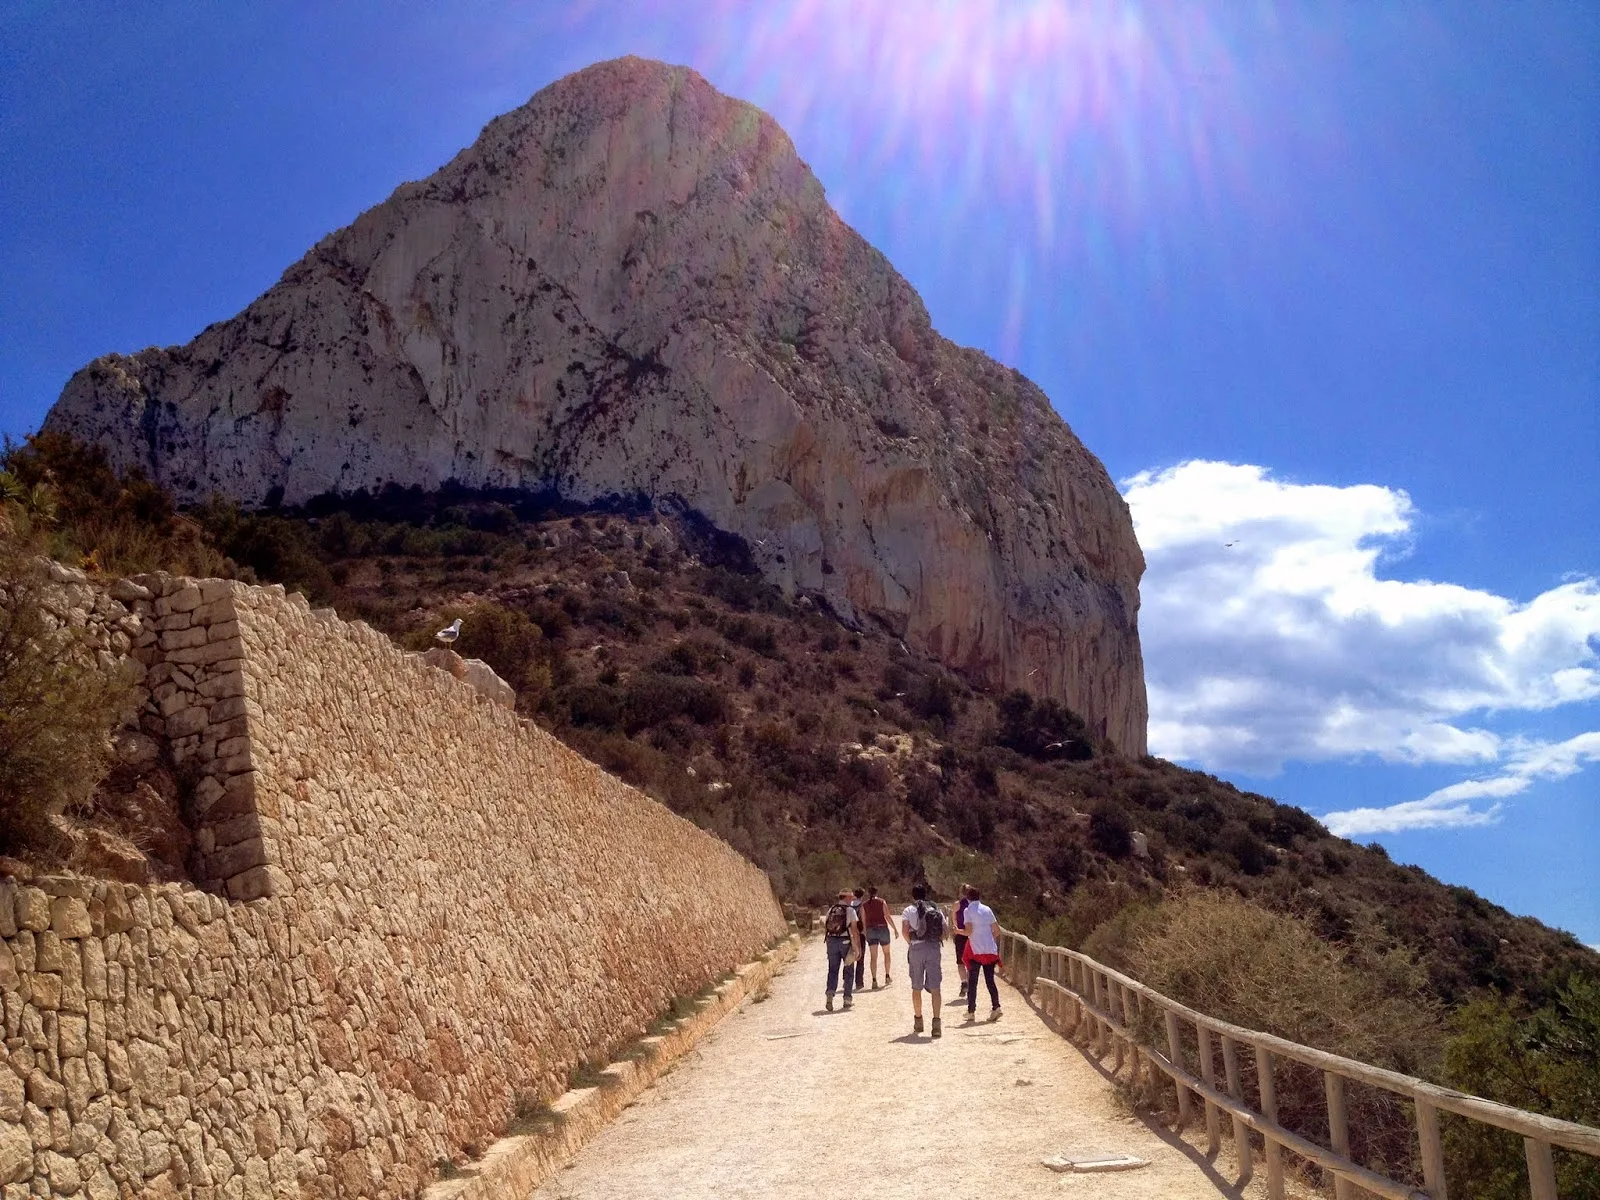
point(784, 1101)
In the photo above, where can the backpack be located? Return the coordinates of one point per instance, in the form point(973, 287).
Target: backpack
point(932, 922)
point(837, 922)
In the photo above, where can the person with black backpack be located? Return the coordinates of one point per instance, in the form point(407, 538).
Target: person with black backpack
point(923, 926)
point(841, 927)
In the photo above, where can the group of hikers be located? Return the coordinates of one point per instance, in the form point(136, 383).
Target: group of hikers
point(859, 928)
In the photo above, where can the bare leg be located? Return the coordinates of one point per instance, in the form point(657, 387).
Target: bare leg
point(935, 995)
point(916, 1004)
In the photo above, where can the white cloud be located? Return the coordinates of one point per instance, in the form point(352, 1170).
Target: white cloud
point(1452, 806)
point(1287, 645)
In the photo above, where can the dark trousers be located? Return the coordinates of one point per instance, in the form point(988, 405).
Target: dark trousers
point(861, 963)
point(972, 985)
point(838, 951)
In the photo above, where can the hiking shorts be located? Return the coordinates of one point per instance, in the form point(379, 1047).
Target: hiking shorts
point(924, 964)
point(878, 935)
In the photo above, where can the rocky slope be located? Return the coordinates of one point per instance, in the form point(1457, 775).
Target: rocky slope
point(633, 287)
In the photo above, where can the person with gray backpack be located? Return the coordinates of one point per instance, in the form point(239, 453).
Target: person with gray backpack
point(841, 928)
point(923, 927)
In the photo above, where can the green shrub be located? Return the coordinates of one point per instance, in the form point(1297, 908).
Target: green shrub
point(58, 709)
point(1547, 1062)
point(1267, 971)
point(1110, 830)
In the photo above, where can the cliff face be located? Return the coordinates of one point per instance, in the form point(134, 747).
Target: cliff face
point(632, 286)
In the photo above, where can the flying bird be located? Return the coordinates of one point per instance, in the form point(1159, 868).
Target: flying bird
point(450, 632)
point(1229, 545)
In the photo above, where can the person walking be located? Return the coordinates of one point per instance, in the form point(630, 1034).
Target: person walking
point(960, 938)
point(922, 926)
point(842, 929)
point(858, 903)
point(983, 952)
point(879, 929)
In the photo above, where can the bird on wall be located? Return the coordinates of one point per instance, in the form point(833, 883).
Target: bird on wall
point(450, 633)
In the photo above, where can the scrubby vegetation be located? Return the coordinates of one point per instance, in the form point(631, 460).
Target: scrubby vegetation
point(58, 708)
point(830, 755)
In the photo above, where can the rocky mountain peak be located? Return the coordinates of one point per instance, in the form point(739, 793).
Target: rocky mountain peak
point(631, 288)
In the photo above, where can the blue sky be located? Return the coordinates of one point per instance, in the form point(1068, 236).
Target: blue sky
point(1319, 280)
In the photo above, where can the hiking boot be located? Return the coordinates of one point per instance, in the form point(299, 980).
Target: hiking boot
point(936, 1032)
point(916, 1024)
point(830, 1003)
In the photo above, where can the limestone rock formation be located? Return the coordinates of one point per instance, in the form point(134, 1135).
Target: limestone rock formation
point(632, 287)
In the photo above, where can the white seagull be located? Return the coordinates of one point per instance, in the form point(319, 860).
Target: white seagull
point(450, 633)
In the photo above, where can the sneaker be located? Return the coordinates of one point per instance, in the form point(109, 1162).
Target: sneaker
point(848, 1001)
point(936, 1030)
point(874, 983)
point(962, 992)
point(994, 1014)
point(886, 980)
point(830, 1003)
point(916, 1024)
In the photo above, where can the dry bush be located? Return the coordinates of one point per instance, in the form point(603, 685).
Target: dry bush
point(1267, 971)
point(58, 709)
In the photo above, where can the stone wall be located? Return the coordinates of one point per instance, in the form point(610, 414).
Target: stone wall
point(416, 909)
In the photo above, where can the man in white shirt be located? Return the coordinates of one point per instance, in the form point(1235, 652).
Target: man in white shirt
point(922, 926)
point(983, 952)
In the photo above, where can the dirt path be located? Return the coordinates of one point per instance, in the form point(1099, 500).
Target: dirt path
point(787, 1102)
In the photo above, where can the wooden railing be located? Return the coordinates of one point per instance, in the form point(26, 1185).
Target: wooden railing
point(1080, 996)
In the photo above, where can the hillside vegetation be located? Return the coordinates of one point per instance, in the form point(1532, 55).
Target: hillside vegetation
point(831, 755)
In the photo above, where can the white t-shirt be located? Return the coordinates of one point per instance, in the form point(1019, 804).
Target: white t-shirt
point(979, 920)
point(911, 920)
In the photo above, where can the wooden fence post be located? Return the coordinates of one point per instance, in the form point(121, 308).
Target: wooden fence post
point(1432, 1150)
point(1241, 1131)
point(1113, 993)
point(1130, 1024)
point(1175, 1057)
point(1269, 1109)
point(1208, 1072)
point(1338, 1131)
point(1541, 1169)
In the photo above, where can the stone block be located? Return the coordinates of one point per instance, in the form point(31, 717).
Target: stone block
point(127, 591)
point(48, 955)
point(232, 832)
point(72, 1036)
point(69, 918)
point(16, 1155)
point(258, 883)
point(47, 1093)
point(215, 590)
point(13, 1095)
point(186, 599)
point(32, 909)
point(44, 991)
point(187, 722)
point(227, 648)
point(228, 709)
point(229, 861)
point(182, 639)
point(222, 631)
point(232, 747)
